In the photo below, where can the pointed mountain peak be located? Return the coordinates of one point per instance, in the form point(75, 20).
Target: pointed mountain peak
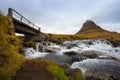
point(89, 25)
point(89, 22)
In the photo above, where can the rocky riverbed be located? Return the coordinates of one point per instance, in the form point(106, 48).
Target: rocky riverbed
point(97, 59)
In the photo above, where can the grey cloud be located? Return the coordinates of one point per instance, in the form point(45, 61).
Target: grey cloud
point(55, 15)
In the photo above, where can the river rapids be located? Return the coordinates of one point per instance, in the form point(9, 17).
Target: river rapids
point(91, 56)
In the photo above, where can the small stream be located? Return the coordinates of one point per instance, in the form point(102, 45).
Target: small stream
point(93, 57)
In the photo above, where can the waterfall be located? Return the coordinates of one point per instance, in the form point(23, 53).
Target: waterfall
point(40, 47)
point(35, 53)
point(103, 46)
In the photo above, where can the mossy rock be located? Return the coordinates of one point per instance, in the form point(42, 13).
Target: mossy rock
point(57, 72)
point(29, 44)
point(76, 75)
point(39, 69)
point(10, 59)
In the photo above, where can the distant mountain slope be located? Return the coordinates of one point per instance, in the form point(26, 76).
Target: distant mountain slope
point(91, 30)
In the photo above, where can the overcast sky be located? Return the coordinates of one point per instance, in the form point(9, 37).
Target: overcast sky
point(67, 16)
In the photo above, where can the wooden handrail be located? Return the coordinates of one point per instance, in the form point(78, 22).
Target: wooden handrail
point(10, 13)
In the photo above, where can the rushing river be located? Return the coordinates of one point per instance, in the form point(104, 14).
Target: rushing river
point(91, 56)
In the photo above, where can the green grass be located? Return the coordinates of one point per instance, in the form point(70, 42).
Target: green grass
point(10, 60)
point(57, 72)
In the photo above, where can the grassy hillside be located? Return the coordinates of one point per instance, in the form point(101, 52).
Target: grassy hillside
point(10, 59)
point(100, 34)
point(92, 31)
point(58, 38)
point(90, 34)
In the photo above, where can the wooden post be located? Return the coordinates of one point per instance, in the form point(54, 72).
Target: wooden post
point(39, 29)
point(10, 13)
point(21, 19)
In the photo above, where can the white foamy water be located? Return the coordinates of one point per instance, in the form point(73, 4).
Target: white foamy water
point(88, 63)
point(98, 65)
point(35, 53)
point(103, 46)
point(31, 53)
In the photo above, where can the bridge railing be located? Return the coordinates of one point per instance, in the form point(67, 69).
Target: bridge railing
point(14, 14)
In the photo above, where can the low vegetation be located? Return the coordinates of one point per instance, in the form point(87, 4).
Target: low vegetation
point(30, 44)
point(90, 34)
point(10, 59)
point(58, 38)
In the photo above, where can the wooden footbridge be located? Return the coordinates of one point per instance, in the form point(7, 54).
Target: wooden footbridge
point(23, 26)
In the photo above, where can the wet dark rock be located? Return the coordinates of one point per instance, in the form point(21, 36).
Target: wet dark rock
point(115, 43)
point(97, 69)
point(100, 76)
point(79, 56)
point(74, 56)
point(70, 53)
point(44, 48)
point(60, 59)
point(107, 58)
point(90, 54)
point(74, 74)
point(48, 49)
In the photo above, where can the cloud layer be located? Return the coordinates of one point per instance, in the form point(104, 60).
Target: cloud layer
point(67, 16)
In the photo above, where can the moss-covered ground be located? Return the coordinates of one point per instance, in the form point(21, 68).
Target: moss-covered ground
point(10, 59)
